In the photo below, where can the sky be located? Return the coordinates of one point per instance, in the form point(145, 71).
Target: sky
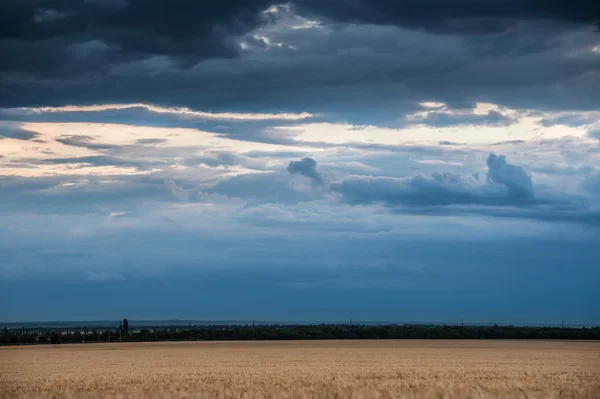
point(317, 160)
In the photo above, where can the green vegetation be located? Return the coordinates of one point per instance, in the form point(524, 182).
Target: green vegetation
point(129, 333)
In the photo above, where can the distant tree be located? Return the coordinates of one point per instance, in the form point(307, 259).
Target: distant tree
point(125, 326)
point(55, 338)
point(323, 331)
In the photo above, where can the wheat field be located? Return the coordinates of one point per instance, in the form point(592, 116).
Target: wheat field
point(304, 369)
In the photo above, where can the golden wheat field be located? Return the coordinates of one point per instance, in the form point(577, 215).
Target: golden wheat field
point(304, 369)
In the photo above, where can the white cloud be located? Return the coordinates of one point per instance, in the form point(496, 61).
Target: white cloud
point(184, 112)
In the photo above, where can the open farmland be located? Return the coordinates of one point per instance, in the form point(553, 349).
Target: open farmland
point(299, 369)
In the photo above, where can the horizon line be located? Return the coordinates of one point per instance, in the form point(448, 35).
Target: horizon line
point(232, 322)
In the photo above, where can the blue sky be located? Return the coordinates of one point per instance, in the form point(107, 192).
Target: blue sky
point(300, 161)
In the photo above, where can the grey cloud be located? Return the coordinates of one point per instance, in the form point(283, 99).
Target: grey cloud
point(95, 160)
point(507, 185)
point(353, 167)
point(514, 177)
point(446, 142)
point(260, 188)
point(507, 192)
point(248, 130)
point(177, 191)
point(84, 141)
point(574, 120)
point(15, 132)
point(434, 190)
point(445, 119)
point(307, 167)
point(510, 142)
point(89, 195)
point(150, 141)
point(595, 134)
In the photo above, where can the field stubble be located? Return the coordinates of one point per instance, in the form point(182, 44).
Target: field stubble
point(303, 369)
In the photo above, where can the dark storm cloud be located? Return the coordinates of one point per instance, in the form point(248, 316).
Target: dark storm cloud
point(187, 54)
point(457, 16)
point(203, 28)
point(306, 167)
point(197, 28)
point(73, 43)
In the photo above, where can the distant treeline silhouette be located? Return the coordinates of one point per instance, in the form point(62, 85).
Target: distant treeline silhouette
point(128, 333)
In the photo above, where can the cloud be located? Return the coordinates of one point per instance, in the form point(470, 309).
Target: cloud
point(191, 27)
point(573, 119)
point(183, 112)
point(179, 192)
point(307, 167)
point(514, 177)
point(95, 160)
point(260, 188)
point(509, 142)
point(447, 142)
point(84, 141)
point(506, 185)
point(228, 159)
point(10, 131)
point(150, 141)
point(364, 73)
point(446, 119)
point(456, 16)
point(595, 134)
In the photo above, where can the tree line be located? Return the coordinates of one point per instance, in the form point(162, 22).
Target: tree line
point(126, 333)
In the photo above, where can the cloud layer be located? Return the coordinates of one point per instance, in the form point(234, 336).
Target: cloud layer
point(313, 151)
point(368, 62)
